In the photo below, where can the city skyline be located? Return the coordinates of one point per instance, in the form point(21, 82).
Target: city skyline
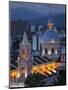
point(38, 44)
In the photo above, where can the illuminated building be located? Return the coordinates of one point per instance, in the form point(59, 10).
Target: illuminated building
point(34, 42)
point(50, 42)
point(48, 45)
point(36, 39)
point(44, 69)
point(25, 61)
point(33, 28)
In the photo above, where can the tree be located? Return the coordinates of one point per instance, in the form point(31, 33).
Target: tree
point(62, 77)
point(33, 80)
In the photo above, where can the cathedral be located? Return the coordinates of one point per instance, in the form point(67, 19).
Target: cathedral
point(48, 42)
point(41, 55)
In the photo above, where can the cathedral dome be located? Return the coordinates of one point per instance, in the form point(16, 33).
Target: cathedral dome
point(50, 35)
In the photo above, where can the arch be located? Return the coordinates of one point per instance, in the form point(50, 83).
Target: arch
point(52, 50)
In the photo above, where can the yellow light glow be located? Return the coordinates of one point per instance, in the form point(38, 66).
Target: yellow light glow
point(50, 25)
point(54, 70)
point(54, 65)
point(42, 69)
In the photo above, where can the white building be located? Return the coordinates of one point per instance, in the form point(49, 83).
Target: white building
point(50, 42)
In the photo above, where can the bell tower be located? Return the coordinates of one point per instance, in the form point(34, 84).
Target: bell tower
point(25, 61)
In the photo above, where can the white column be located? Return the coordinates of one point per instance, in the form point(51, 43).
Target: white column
point(26, 70)
point(49, 52)
point(56, 51)
point(43, 52)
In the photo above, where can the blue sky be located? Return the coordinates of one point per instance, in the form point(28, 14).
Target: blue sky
point(27, 11)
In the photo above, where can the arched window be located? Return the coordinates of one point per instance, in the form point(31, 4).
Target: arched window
point(46, 50)
point(52, 50)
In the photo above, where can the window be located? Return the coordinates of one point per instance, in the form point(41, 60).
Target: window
point(52, 50)
point(46, 50)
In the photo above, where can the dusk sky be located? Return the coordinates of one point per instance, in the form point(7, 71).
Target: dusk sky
point(27, 11)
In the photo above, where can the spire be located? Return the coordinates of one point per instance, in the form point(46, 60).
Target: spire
point(25, 39)
point(50, 20)
point(50, 24)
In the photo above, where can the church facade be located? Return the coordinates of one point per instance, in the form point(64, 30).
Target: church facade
point(25, 60)
point(48, 42)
